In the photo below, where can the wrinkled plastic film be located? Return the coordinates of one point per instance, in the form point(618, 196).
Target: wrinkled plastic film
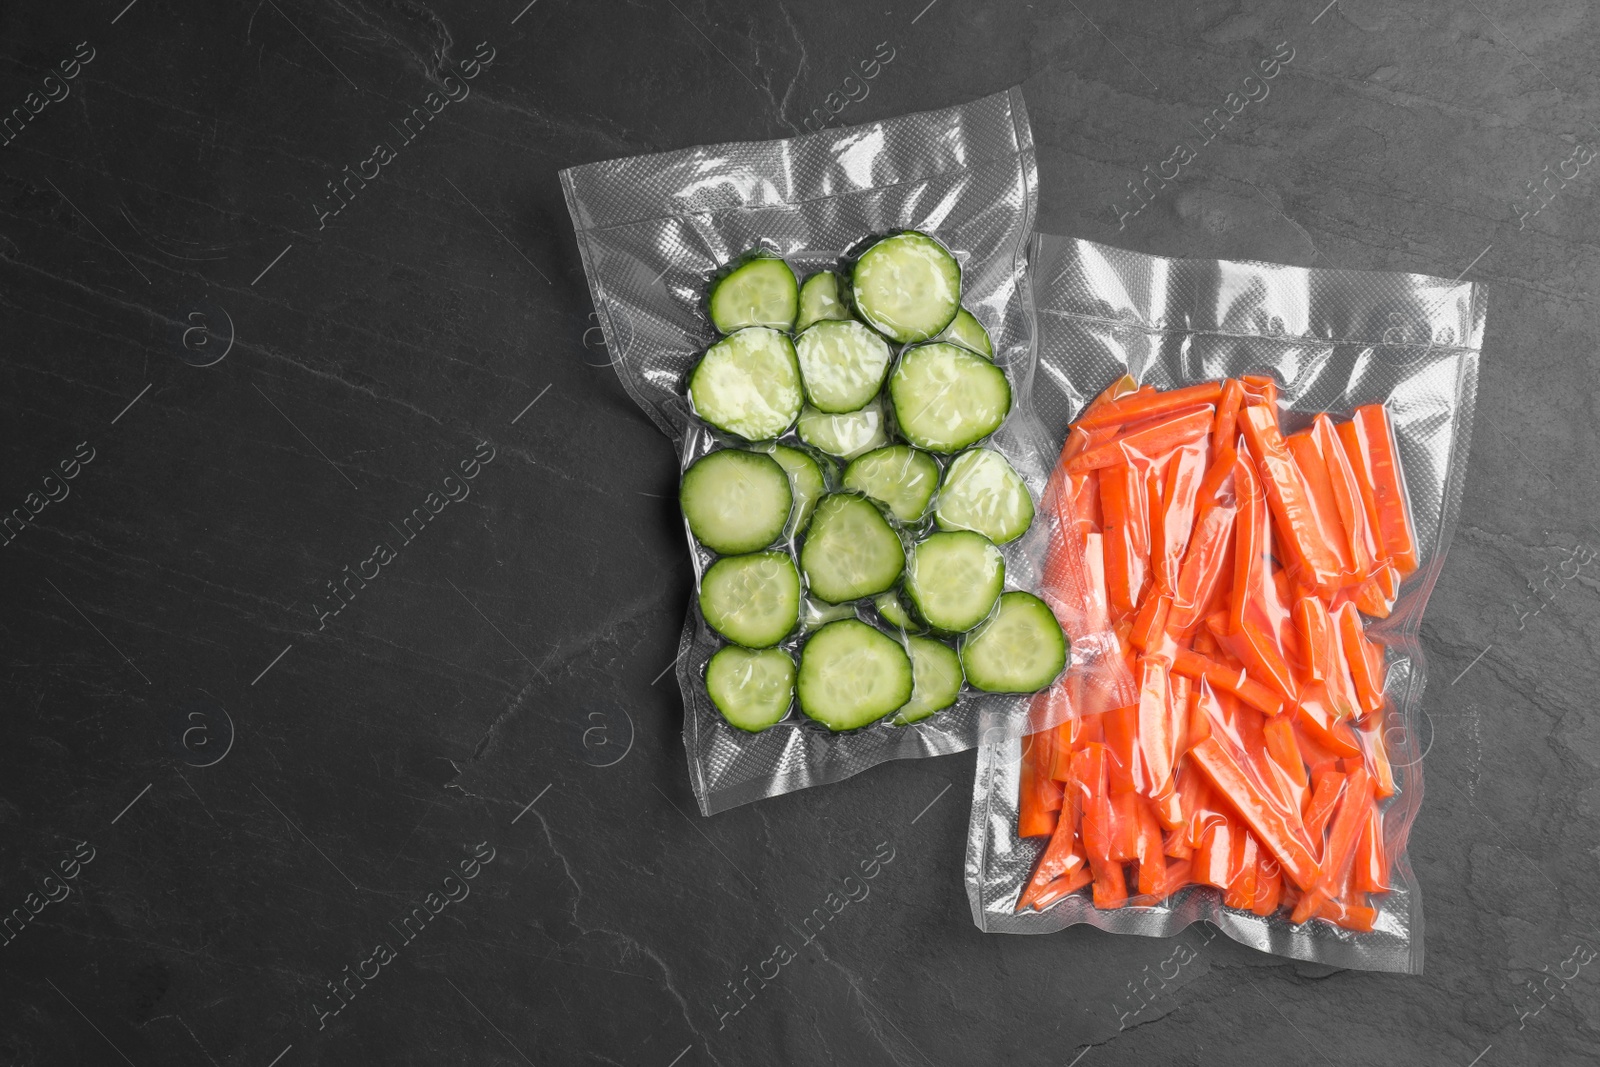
point(653, 229)
point(1334, 340)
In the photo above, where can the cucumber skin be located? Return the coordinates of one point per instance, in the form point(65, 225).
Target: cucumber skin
point(806, 545)
point(725, 562)
point(807, 317)
point(847, 274)
point(937, 447)
point(959, 465)
point(689, 380)
point(948, 657)
point(744, 259)
point(916, 608)
point(916, 452)
point(686, 487)
point(738, 651)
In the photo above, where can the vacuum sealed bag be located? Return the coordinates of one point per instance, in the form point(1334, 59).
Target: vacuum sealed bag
point(1262, 465)
point(681, 246)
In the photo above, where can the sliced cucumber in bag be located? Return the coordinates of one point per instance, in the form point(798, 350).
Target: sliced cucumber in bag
point(935, 679)
point(907, 287)
point(983, 492)
point(852, 674)
point(847, 435)
point(751, 600)
point(898, 476)
point(748, 384)
point(821, 298)
point(895, 614)
point(850, 550)
point(842, 365)
point(953, 579)
point(965, 330)
point(735, 501)
point(947, 398)
point(753, 690)
point(1019, 649)
point(806, 481)
point(757, 289)
point(815, 614)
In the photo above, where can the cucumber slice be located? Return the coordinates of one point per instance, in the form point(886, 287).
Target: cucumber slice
point(907, 287)
point(820, 300)
point(895, 614)
point(983, 492)
point(757, 289)
point(752, 600)
point(1020, 649)
point(935, 679)
point(850, 550)
point(842, 365)
point(806, 482)
point(899, 476)
point(946, 398)
point(748, 384)
point(815, 614)
point(847, 435)
point(852, 674)
point(965, 330)
point(735, 501)
point(753, 690)
point(953, 579)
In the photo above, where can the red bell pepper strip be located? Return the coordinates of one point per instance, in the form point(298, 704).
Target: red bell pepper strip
point(1372, 859)
point(1039, 797)
point(1364, 659)
point(1343, 836)
point(1193, 665)
point(1127, 538)
point(1376, 435)
point(1145, 442)
point(1283, 836)
point(1225, 427)
point(1286, 492)
point(1151, 404)
point(1307, 453)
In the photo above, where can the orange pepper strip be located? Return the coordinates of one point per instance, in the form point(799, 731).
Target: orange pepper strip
point(1147, 405)
point(1147, 442)
point(1284, 837)
point(1310, 554)
point(1194, 665)
point(1127, 538)
point(1364, 659)
point(1307, 453)
point(1223, 430)
point(1372, 859)
point(1388, 485)
point(1343, 836)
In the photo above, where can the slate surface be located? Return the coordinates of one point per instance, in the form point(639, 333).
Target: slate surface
point(268, 389)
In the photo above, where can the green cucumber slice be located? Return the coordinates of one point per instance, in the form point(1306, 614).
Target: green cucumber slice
point(895, 614)
point(953, 579)
point(757, 289)
point(748, 384)
point(751, 600)
point(842, 365)
point(752, 689)
point(965, 330)
point(983, 492)
point(946, 398)
point(1020, 649)
point(815, 614)
point(851, 675)
point(850, 550)
point(907, 287)
point(806, 482)
point(735, 501)
point(899, 476)
point(935, 680)
point(820, 300)
point(847, 435)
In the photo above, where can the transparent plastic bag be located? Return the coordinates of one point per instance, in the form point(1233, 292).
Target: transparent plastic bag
point(1333, 340)
point(653, 229)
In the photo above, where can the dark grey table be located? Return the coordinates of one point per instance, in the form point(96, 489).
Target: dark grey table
point(246, 743)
